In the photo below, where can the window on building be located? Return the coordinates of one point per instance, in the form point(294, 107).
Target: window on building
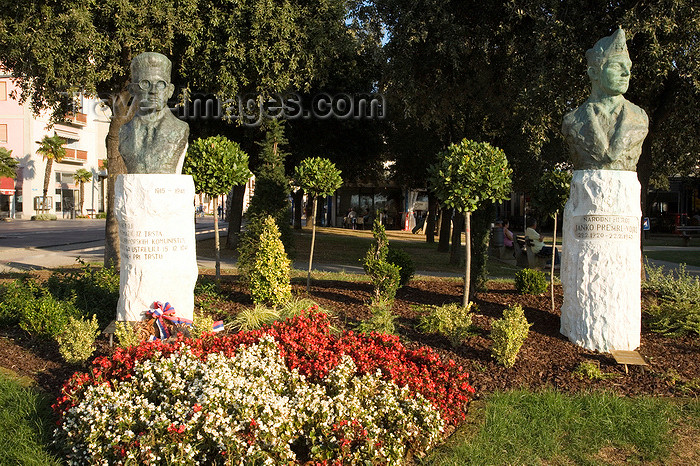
point(3, 133)
point(3, 90)
point(64, 178)
point(58, 200)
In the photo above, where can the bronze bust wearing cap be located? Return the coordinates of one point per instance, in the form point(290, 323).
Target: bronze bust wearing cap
point(607, 131)
point(154, 141)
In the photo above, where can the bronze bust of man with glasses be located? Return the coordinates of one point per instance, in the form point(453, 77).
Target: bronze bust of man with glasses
point(154, 141)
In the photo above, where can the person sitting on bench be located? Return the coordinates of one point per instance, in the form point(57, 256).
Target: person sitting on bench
point(508, 237)
point(538, 247)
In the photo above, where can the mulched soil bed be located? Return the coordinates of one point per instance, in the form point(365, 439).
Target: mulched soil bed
point(547, 359)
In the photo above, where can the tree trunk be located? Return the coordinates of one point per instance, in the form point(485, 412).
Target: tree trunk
point(456, 249)
point(429, 226)
point(445, 222)
point(662, 111)
point(554, 248)
point(645, 165)
point(235, 215)
point(480, 229)
point(82, 196)
point(47, 178)
point(121, 113)
point(467, 257)
point(217, 254)
point(313, 240)
point(298, 207)
point(316, 219)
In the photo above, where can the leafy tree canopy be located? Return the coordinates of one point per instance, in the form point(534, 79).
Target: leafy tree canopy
point(271, 196)
point(318, 176)
point(469, 173)
point(54, 48)
point(507, 72)
point(551, 192)
point(216, 164)
point(51, 148)
point(8, 164)
point(222, 47)
point(82, 175)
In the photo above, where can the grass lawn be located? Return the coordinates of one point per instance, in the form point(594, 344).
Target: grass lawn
point(522, 427)
point(666, 240)
point(518, 427)
point(679, 256)
point(344, 247)
point(25, 427)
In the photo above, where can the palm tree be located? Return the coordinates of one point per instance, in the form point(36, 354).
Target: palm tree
point(7, 164)
point(51, 148)
point(82, 176)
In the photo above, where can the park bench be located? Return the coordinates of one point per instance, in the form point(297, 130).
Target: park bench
point(499, 251)
point(526, 257)
point(687, 233)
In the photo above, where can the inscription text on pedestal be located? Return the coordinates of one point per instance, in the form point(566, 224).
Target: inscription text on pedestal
point(606, 227)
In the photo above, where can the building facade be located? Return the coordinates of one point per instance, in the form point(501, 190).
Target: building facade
point(21, 132)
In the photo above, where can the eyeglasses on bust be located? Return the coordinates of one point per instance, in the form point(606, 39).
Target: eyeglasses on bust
point(146, 85)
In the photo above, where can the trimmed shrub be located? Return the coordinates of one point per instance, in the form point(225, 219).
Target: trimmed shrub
point(530, 281)
point(382, 319)
point(44, 217)
point(401, 259)
point(202, 324)
point(451, 320)
point(92, 290)
point(46, 317)
point(34, 309)
point(264, 264)
point(15, 296)
point(77, 341)
point(126, 335)
point(677, 310)
point(508, 335)
point(383, 275)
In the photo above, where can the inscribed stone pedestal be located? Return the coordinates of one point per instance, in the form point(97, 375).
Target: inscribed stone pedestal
point(157, 243)
point(601, 260)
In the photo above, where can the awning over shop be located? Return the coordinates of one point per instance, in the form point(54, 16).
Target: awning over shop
point(7, 186)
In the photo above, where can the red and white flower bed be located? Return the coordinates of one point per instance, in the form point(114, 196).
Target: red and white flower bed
point(293, 392)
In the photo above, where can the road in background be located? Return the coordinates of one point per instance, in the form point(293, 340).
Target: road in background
point(29, 245)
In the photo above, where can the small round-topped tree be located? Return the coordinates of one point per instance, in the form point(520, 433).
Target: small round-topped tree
point(466, 175)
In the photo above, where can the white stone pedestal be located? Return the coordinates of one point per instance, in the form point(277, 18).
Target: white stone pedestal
point(156, 243)
point(601, 261)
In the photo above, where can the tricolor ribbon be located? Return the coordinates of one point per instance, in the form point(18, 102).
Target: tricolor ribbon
point(162, 311)
point(217, 326)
